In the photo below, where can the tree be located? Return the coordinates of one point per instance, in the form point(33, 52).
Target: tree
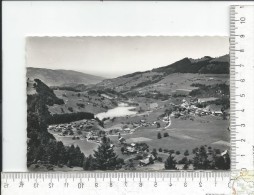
point(170, 163)
point(158, 124)
point(79, 132)
point(159, 135)
point(165, 150)
point(160, 149)
point(171, 151)
point(200, 160)
point(186, 153)
point(154, 153)
point(122, 150)
point(151, 160)
point(178, 152)
point(70, 109)
point(105, 158)
point(222, 162)
point(184, 160)
point(130, 165)
point(165, 134)
point(89, 163)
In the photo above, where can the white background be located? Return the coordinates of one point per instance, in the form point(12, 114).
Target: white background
point(21, 19)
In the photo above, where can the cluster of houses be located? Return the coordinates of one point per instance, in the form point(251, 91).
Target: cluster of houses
point(190, 108)
point(70, 128)
point(94, 136)
point(134, 149)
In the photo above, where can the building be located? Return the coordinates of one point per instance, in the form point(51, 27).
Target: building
point(182, 91)
point(203, 100)
point(122, 140)
point(147, 160)
point(218, 113)
point(154, 105)
point(131, 149)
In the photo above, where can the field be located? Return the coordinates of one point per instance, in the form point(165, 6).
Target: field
point(80, 102)
point(184, 135)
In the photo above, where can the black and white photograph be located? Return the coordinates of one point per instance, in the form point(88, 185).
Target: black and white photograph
point(134, 103)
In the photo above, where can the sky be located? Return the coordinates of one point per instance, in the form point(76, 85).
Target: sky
point(115, 56)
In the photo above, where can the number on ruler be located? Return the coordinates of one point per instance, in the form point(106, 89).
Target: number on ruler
point(80, 185)
point(36, 185)
point(51, 185)
point(21, 184)
point(66, 184)
point(6, 185)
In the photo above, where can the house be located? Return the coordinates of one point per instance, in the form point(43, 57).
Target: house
point(154, 105)
point(147, 160)
point(121, 140)
point(144, 162)
point(203, 100)
point(131, 149)
point(127, 130)
point(112, 145)
point(133, 144)
point(182, 91)
point(224, 153)
point(218, 113)
point(106, 96)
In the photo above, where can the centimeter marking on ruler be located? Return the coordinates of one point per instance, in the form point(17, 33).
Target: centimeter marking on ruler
point(129, 175)
point(18, 180)
point(241, 74)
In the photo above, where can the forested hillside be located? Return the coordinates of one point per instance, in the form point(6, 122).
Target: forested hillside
point(41, 145)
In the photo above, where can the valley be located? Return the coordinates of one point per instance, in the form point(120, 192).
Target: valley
point(160, 119)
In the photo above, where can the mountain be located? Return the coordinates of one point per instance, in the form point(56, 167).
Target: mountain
point(62, 77)
point(205, 65)
point(169, 74)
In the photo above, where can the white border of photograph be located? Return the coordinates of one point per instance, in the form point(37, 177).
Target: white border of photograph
point(21, 19)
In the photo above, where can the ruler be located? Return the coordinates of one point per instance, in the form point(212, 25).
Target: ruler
point(242, 86)
point(237, 181)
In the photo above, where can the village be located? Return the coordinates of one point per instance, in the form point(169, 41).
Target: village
point(136, 151)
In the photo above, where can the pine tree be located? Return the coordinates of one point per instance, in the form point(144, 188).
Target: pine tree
point(88, 163)
point(159, 135)
point(170, 163)
point(105, 158)
point(200, 160)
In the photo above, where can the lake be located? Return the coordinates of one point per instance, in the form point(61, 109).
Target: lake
point(122, 110)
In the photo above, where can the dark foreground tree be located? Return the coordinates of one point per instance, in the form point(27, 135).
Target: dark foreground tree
point(222, 162)
point(170, 163)
point(200, 161)
point(105, 158)
point(89, 163)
